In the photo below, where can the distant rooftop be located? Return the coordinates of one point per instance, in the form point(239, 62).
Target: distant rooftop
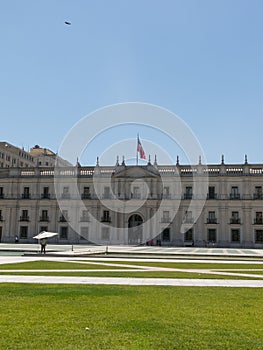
point(37, 151)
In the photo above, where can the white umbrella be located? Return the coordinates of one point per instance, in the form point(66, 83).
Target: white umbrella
point(45, 234)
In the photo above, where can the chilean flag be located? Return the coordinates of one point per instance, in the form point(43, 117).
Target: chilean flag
point(140, 149)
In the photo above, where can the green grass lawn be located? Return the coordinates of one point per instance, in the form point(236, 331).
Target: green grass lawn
point(246, 271)
point(193, 265)
point(129, 317)
point(63, 265)
point(46, 265)
point(137, 274)
point(38, 316)
point(234, 269)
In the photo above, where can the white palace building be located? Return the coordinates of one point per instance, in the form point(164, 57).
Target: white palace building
point(172, 205)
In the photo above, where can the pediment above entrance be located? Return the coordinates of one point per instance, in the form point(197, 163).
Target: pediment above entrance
point(136, 172)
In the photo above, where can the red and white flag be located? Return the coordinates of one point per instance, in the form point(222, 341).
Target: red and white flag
point(140, 149)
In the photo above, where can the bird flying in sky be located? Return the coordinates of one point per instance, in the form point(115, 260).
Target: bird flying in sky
point(67, 23)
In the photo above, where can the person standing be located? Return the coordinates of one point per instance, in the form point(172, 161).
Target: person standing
point(43, 244)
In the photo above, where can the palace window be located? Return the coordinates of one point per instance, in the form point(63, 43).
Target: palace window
point(211, 217)
point(136, 192)
point(166, 192)
point(63, 232)
point(106, 216)
point(188, 236)
point(44, 215)
point(235, 218)
point(234, 193)
point(64, 216)
point(84, 232)
point(85, 216)
point(65, 193)
point(235, 235)
point(86, 193)
point(23, 232)
point(106, 193)
point(259, 236)
point(211, 235)
point(105, 233)
point(166, 216)
point(26, 194)
point(188, 217)
point(188, 192)
point(24, 216)
point(258, 192)
point(1, 192)
point(166, 235)
point(45, 194)
point(258, 219)
point(211, 192)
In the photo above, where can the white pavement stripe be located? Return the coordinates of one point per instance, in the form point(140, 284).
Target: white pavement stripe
point(132, 281)
point(153, 269)
point(77, 270)
point(88, 260)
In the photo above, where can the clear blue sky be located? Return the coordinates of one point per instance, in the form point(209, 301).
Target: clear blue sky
point(201, 59)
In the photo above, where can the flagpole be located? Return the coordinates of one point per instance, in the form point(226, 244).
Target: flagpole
point(137, 150)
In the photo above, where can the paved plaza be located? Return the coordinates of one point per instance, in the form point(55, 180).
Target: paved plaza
point(106, 255)
point(80, 250)
point(133, 281)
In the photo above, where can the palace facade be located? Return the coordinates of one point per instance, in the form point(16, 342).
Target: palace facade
point(177, 205)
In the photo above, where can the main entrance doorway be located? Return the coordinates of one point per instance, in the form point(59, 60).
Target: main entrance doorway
point(135, 229)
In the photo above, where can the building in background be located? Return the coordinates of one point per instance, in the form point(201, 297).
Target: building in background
point(44, 157)
point(12, 156)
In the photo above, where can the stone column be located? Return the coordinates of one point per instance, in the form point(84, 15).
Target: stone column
point(247, 233)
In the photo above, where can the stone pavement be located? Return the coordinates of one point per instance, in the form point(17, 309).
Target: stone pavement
point(83, 250)
point(132, 281)
point(256, 282)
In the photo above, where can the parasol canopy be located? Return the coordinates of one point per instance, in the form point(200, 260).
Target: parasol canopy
point(45, 234)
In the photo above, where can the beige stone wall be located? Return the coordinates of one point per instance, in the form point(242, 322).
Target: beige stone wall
point(12, 203)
